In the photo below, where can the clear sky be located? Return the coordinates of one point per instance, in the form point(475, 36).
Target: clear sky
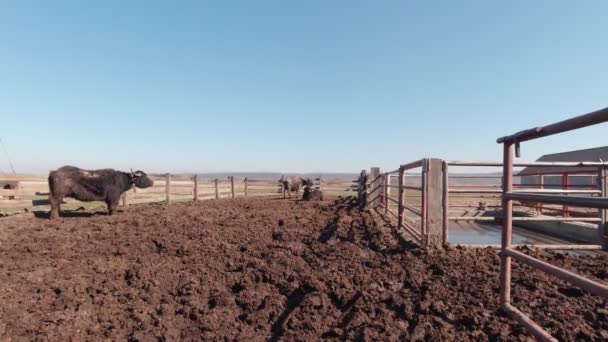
point(293, 85)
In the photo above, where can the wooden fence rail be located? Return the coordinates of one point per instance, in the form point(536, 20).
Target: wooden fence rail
point(33, 192)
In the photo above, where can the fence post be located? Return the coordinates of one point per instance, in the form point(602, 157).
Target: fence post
point(603, 225)
point(423, 201)
point(401, 194)
point(362, 189)
point(387, 192)
point(374, 187)
point(446, 203)
point(168, 187)
point(232, 185)
point(507, 225)
point(539, 205)
point(195, 188)
point(433, 203)
point(217, 189)
point(565, 176)
point(246, 183)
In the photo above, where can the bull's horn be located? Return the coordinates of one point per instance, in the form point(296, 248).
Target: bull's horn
point(137, 173)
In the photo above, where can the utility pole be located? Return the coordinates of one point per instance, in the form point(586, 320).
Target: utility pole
point(10, 163)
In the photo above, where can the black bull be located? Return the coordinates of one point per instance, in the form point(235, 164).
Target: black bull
point(105, 185)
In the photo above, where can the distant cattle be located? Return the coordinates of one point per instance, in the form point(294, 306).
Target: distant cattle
point(312, 195)
point(92, 185)
point(293, 184)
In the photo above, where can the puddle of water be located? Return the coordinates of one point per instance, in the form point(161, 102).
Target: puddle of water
point(488, 233)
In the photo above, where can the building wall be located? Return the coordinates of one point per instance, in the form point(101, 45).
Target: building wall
point(555, 181)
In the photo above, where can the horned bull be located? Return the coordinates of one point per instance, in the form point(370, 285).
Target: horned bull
point(105, 185)
point(293, 184)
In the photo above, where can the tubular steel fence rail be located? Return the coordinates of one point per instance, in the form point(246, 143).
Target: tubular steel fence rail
point(526, 201)
point(436, 191)
point(411, 212)
point(423, 209)
point(426, 217)
point(510, 145)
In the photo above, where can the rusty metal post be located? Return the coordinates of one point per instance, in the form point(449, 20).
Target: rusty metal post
point(217, 188)
point(565, 182)
point(423, 202)
point(446, 203)
point(507, 225)
point(539, 205)
point(603, 225)
point(401, 194)
point(195, 188)
point(381, 190)
point(387, 192)
point(168, 188)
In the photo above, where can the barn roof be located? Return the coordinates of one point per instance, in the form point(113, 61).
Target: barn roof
point(597, 154)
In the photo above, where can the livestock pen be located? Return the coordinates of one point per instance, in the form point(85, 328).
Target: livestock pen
point(249, 265)
point(440, 197)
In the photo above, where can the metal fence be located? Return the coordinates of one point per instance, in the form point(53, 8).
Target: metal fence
point(406, 196)
point(420, 196)
point(495, 191)
point(511, 145)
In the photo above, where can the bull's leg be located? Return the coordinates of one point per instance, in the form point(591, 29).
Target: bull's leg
point(112, 204)
point(55, 206)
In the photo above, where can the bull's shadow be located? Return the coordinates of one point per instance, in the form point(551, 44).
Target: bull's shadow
point(68, 214)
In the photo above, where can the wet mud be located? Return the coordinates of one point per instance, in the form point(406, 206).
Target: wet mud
point(268, 269)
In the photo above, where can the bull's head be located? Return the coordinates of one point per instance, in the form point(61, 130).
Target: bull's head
point(140, 179)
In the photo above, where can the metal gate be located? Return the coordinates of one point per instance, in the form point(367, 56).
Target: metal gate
point(511, 144)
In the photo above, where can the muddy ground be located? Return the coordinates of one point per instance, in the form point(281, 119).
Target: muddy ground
point(266, 269)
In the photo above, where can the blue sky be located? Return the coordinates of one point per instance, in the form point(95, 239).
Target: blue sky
point(293, 86)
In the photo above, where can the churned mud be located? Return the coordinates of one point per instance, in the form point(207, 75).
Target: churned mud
point(266, 269)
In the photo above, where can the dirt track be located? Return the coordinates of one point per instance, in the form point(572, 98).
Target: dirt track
point(266, 269)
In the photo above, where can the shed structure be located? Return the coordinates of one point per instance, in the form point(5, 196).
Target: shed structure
point(575, 178)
